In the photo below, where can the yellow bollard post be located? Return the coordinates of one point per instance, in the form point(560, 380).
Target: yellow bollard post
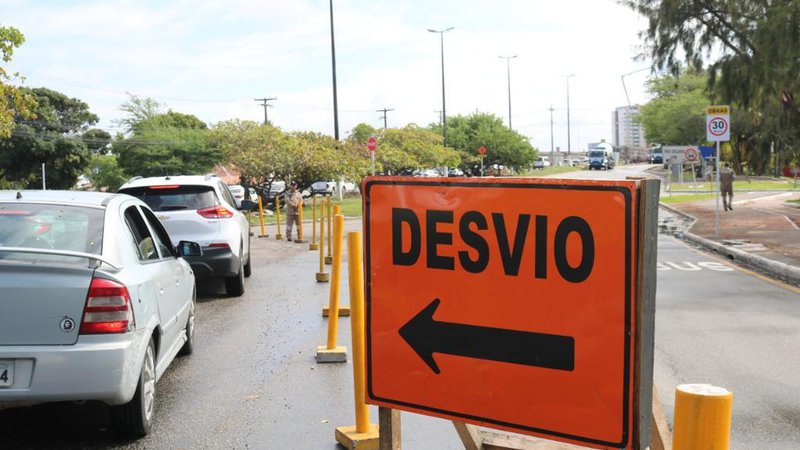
point(702, 417)
point(321, 275)
point(343, 310)
point(261, 218)
point(300, 239)
point(363, 435)
point(331, 352)
point(313, 245)
point(328, 258)
point(278, 235)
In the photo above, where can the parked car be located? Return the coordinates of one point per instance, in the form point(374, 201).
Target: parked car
point(202, 209)
point(329, 187)
point(238, 194)
point(277, 188)
point(541, 162)
point(95, 305)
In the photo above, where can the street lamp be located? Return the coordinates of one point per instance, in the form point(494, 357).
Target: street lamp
point(335, 102)
point(508, 72)
point(569, 142)
point(444, 109)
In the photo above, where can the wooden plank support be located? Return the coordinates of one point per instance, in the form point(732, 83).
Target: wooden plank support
point(646, 250)
point(471, 437)
point(662, 437)
point(389, 428)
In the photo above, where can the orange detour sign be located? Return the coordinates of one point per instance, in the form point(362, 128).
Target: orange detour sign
point(505, 303)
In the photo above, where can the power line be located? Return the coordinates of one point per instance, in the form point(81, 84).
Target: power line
point(385, 110)
point(265, 104)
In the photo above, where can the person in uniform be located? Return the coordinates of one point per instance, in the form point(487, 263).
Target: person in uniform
point(726, 177)
point(292, 201)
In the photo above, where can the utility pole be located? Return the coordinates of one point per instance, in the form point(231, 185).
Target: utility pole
point(569, 142)
point(508, 73)
point(265, 104)
point(444, 108)
point(384, 111)
point(335, 98)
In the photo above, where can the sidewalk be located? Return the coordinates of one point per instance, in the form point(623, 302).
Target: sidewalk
point(761, 230)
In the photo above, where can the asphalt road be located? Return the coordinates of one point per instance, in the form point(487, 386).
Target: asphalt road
point(253, 382)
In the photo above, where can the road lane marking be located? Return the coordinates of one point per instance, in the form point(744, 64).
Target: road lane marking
point(777, 283)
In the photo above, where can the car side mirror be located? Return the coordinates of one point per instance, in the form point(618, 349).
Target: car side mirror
point(188, 248)
point(246, 205)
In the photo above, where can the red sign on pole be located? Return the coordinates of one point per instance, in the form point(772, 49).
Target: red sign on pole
point(372, 144)
point(482, 150)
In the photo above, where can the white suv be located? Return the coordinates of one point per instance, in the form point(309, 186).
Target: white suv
point(201, 209)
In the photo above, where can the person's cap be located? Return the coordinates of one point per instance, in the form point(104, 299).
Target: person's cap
point(294, 183)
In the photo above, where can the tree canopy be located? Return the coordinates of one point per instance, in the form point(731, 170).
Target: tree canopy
point(676, 113)
point(750, 50)
point(403, 150)
point(53, 138)
point(503, 146)
point(15, 103)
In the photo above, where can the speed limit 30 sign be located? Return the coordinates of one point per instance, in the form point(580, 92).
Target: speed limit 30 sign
point(718, 120)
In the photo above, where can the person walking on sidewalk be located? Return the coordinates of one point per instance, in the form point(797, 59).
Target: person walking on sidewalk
point(726, 177)
point(292, 201)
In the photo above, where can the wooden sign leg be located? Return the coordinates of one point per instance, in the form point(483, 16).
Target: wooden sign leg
point(389, 428)
point(470, 436)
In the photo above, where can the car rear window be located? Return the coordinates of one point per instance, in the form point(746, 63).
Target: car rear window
point(55, 227)
point(174, 198)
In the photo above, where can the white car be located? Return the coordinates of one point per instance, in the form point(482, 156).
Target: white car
point(238, 194)
point(329, 187)
point(96, 302)
point(202, 209)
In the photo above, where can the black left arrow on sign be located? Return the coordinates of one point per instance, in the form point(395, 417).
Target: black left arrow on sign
point(428, 336)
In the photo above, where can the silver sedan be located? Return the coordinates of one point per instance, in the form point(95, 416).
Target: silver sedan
point(95, 303)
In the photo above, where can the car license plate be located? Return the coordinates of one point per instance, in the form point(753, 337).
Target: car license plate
point(6, 373)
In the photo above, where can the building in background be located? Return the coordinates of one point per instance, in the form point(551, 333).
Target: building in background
point(627, 134)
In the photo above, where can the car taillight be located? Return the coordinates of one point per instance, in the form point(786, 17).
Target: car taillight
point(108, 308)
point(215, 212)
point(219, 245)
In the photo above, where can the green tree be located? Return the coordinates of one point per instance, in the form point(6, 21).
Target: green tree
point(403, 150)
point(14, 102)
point(261, 153)
point(750, 50)
point(97, 140)
point(105, 173)
point(138, 109)
point(53, 138)
point(503, 145)
point(167, 150)
point(676, 114)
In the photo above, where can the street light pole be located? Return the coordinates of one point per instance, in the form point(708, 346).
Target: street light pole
point(444, 109)
point(508, 72)
point(335, 100)
point(552, 155)
point(569, 141)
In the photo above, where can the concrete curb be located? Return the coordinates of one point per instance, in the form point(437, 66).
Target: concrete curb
point(775, 268)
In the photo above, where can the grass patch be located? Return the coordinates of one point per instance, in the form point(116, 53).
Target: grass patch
point(796, 202)
point(782, 184)
point(351, 207)
point(552, 170)
point(684, 198)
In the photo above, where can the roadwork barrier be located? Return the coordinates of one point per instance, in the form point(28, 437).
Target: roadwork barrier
point(702, 417)
point(330, 352)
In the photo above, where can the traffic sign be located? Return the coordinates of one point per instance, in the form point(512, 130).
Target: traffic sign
point(372, 144)
point(718, 123)
point(691, 154)
point(506, 304)
point(482, 150)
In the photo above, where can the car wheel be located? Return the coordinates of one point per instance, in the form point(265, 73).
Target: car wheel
point(234, 286)
point(248, 268)
point(135, 418)
point(188, 346)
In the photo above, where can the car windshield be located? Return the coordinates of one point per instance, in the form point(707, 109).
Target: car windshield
point(174, 198)
point(54, 227)
point(596, 154)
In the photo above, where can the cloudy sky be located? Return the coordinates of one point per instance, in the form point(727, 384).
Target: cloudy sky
point(212, 58)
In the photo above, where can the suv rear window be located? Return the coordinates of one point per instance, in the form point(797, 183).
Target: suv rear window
point(56, 227)
point(174, 198)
